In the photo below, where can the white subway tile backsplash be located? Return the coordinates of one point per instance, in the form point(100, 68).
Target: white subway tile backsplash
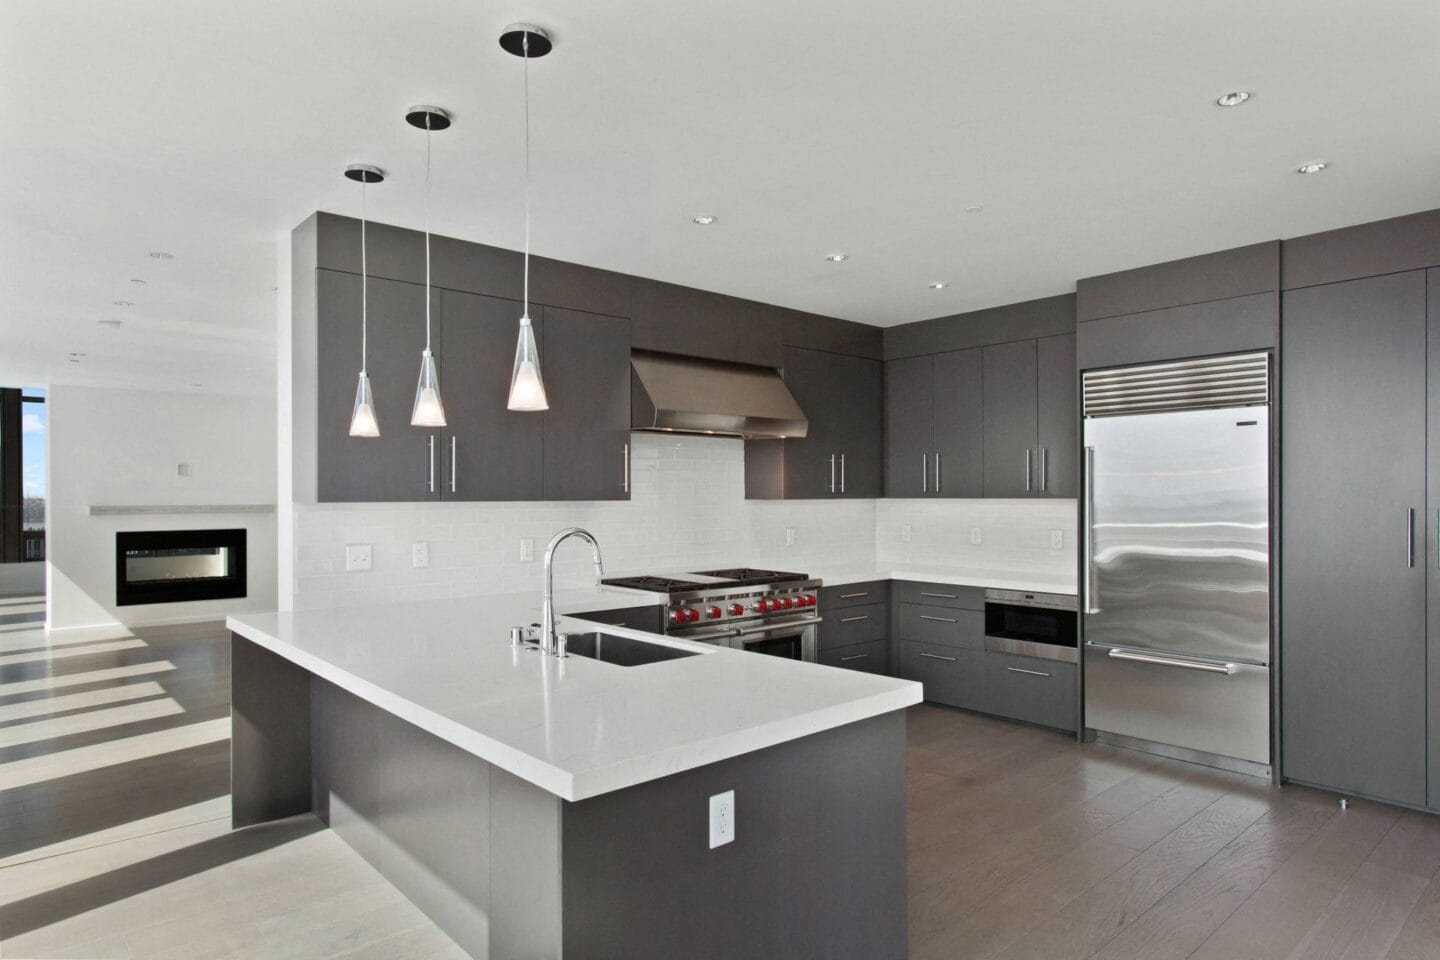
point(687, 511)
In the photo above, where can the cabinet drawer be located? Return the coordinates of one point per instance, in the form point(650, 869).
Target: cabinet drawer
point(869, 657)
point(1030, 689)
point(650, 618)
point(951, 676)
point(944, 625)
point(850, 625)
point(854, 594)
point(940, 595)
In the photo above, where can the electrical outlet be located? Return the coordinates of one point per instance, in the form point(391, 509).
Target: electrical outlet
point(722, 819)
point(184, 470)
point(975, 535)
point(420, 554)
point(905, 533)
point(358, 557)
point(527, 550)
point(789, 536)
point(1057, 539)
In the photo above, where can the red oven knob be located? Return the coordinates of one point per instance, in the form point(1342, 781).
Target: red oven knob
point(713, 613)
point(692, 615)
point(763, 606)
point(809, 601)
point(677, 616)
point(736, 609)
point(787, 603)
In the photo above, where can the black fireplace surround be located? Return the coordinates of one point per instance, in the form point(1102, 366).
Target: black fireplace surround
point(174, 566)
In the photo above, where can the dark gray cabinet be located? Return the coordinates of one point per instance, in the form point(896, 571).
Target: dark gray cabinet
point(940, 641)
point(1057, 385)
point(1030, 689)
point(651, 619)
point(487, 451)
point(1353, 647)
point(401, 462)
point(909, 426)
point(958, 470)
point(933, 426)
point(1011, 419)
point(951, 675)
point(855, 631)
point(1431, 552)
point(585, 360)
point(840, 455)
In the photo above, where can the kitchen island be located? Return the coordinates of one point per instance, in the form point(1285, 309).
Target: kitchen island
point(544, 807)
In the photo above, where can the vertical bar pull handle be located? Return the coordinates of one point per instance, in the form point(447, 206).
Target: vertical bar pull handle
point(842, 473)
point(432, 463)
point(625, 468)
point(924, 473)
point(832, 473)
point(1042, 469)
point(938, 488)
point(1437, 539)
point(1027, 469)
point(1410, 537)
point(452, 463)
point(1087, 601)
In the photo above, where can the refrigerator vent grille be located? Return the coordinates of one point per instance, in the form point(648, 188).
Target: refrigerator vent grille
point(1235, 381)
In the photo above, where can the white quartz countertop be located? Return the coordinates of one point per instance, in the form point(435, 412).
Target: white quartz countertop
point(574, 727)
point(1043, 581)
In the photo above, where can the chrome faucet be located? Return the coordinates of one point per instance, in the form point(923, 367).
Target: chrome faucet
point(547, 614)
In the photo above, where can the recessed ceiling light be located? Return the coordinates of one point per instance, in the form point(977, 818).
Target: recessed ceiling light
point(123, 303)
point(938, 285)
point(1234, 98)
point(109, 323)
point(161, 255)
point(975, 208)
point(1314, 166)
point(837, 257)
point(704, 219)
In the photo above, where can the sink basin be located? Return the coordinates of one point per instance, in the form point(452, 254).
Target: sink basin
point(622, 651)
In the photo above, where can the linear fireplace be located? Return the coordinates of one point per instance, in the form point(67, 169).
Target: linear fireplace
point(173, 566)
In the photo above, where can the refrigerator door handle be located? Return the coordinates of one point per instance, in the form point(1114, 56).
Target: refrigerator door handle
point(1159, 660)
point(1410, 538)
point(1087, 600)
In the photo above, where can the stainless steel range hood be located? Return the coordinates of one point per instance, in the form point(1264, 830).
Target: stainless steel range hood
point(675, 394)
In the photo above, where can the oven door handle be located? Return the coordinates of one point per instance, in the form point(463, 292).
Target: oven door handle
point(785, 625)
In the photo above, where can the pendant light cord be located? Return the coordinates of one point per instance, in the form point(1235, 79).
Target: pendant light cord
point(427, 231)
point(525, 46)
point(364, 281)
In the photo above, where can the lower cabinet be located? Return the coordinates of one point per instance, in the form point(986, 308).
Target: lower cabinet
point(1030, 689)
point(951, 675)
point(870, 657)
point(855, 631)
point(650, 619)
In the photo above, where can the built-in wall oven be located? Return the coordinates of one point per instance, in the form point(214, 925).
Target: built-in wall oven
point(1032, 624)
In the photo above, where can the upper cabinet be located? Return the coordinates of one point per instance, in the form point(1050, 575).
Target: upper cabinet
point(934, 426)
point(1057, 416)
point(840, 455)
point(1011, 419)
point(668, 318)
point(586, 363)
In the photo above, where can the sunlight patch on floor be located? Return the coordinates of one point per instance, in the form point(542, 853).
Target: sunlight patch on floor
point(80, 701)
point(34, 731)
point(81, 650)
point(50, 766)
point(80, 679)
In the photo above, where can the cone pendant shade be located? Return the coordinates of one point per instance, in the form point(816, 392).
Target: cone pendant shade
point(527, 389)
point(429, 411)
point(362, 420)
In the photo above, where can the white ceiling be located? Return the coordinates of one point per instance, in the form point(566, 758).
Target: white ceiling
point(1086, 130)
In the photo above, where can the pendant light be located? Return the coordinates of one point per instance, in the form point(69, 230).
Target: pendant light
point(362, 418)
point(527, 388)
point(429, 411)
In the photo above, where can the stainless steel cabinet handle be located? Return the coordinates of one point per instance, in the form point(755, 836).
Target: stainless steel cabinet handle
point(924, 473)
point(854, 619)
point(625, 468)
point(936, 656)
point(1027, 469)
point(1042, 470)
point(1032, 673)
point(939, 619)
point(842, 473)
point(783, 625)
point(1137, 656)
point(1410, 537)
point(854, 656)
point(832, 473)
point(937, 471)
point(943, 596)
point(452, 463)
point(1087, 602)
point(852, 596)
point(1437, 540)
point(432, 463)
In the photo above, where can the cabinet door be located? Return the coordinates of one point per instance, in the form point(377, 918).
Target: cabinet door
point(1353, 609)
point(488, 452)
point(1010, 419)
point(958, 462)
point(585, 360)
point(858, 425)
point(812, 463)
point(909, 427)
point(1056, 383)
point(396, 464)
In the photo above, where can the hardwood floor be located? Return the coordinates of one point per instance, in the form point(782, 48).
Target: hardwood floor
point(115, 840)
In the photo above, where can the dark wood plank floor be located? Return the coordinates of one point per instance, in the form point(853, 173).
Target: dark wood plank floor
point(114, 838)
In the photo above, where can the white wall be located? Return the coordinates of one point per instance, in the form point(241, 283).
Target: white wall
point(1015, 535)
point(22, 579)
point(109, 446)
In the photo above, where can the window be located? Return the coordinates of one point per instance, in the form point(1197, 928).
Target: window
point(23, 428)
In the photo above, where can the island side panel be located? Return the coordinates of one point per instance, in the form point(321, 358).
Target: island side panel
point(420, 811)
point(817, 867)
point(269, 735)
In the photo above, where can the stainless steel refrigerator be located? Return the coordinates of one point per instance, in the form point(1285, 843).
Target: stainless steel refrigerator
point(1175, 576)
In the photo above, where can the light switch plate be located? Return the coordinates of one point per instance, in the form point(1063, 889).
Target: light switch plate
point(1057, 539)
point(420, 554)
point(722, 819)
point(789, 536)
point(527, 550)
point(975, 535)
point(357, 557)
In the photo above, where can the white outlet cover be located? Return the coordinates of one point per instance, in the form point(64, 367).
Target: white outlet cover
point(905, 533)
point(789, 536)
point(420, 554)
point(1057, 539)
point(358, 557)
point(975, 535)
point(722, 819)
point(527, 550)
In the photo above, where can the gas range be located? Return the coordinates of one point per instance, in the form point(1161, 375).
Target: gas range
point(741, 607)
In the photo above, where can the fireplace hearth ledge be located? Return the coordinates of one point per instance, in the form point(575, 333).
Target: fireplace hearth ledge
point(176, 509)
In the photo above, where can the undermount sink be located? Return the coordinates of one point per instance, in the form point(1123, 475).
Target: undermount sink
point(622, 651)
